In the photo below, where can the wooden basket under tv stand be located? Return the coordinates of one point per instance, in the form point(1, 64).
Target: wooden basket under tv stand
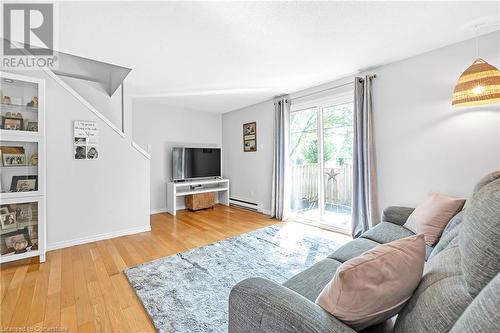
point(200, 201)
point(177, 191)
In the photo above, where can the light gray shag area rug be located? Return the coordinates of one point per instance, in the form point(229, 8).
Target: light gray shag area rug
point(188, 292)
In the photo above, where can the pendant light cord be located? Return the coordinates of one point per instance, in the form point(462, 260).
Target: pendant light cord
point(477, 41)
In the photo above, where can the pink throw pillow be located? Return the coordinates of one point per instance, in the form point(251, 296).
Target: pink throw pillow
point(374, 286)
point(432, 215)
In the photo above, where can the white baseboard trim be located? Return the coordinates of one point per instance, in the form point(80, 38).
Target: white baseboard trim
point(179, 207)
point(158, 210)
point(266, 212)
point(90, 239)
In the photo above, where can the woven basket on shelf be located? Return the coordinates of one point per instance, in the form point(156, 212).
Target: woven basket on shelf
point(200, 200)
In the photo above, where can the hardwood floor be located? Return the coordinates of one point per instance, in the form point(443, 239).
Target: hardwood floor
point(83, 289)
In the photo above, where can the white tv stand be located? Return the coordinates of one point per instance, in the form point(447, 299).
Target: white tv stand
point(177, 190)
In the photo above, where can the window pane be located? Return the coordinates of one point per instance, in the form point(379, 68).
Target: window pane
point(304, 163)
point(337, 157)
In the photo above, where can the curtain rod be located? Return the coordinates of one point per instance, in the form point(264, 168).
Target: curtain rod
point(332, 88)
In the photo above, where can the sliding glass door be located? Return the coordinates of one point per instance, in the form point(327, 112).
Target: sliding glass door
point(321, 139)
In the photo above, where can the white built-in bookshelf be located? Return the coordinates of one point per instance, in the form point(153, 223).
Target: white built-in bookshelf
point(22, 168)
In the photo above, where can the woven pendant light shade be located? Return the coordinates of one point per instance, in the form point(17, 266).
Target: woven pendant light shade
point(478, 85)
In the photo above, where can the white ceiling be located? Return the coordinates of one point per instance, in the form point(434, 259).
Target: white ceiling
point(221, 56)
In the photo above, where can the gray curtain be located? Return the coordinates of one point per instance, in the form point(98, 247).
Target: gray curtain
point(364, 202)
point(280, 152)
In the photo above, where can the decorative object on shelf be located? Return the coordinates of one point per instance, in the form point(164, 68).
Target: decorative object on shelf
point(24, 212)
point(250, 137)
point(33, 103)
point(8, 221)
point(7, 100)
point(85, 141)
point(24, 183)
point(32, 126)
point(12, 123)
point(34, 159)
point(13, 159)
point(12, 156)
point(9, 240)
point(20, 246)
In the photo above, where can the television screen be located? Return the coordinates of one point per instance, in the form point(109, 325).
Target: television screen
point(196, 163)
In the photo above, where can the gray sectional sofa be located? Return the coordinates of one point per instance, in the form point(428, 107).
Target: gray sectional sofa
point(459, 291)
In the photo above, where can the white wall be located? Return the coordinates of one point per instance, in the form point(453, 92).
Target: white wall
point(95, 94)
point(250, 173)
point(423, 143)
point(90, 200)
point(161, 128)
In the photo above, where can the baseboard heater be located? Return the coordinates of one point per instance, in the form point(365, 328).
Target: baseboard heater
point(245, 204)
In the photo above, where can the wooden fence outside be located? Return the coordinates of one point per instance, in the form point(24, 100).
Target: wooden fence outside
point(338, 189)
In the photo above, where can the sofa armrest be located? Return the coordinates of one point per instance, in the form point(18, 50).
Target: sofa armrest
point(260, 305)
point(397, 215)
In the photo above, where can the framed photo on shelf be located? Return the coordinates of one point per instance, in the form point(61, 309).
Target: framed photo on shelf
point(16, 241)
point(12, 156)
point(32, 126)
point(250, 137)
point(8, 221)
point(24, 212)
point(13, 159)
point(15, 124)
point(24, 183)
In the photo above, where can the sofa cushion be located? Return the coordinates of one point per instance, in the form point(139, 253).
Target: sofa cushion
point(374, 286)
point(310, 282)
point(386, 232)
point(440, 297)
point(352, 249)
point(483, 314)
point(479, 237)
point(454, 222)
point(449, 233)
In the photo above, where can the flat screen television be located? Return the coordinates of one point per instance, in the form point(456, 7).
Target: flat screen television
point(190, 163)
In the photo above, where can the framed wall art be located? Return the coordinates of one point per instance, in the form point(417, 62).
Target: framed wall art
point(250, 137)
point(85, 141)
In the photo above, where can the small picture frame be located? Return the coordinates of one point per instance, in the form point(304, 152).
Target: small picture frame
point(24, 183)
point(32, 126)
point(8, 221)
point(13, 159)
point(250, 137)
point(24, 212)
point(15, 124)
point(17, 241)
